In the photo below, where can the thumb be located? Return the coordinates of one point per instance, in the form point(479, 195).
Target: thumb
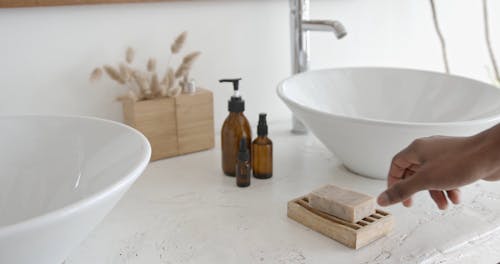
point(399, 191)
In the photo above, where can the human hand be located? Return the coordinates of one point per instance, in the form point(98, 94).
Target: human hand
point(441, 165)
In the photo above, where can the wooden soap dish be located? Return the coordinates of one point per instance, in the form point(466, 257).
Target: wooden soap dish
point(353, 235)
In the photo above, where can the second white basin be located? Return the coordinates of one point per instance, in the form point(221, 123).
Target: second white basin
point(366, 115)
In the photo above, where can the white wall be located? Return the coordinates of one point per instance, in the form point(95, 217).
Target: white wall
point(46, 54)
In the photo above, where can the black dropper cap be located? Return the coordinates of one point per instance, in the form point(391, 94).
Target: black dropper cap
point(262, 126)
point(243, 155)
point(235, 104)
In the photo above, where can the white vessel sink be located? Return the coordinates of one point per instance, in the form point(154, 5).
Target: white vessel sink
point(59, 176)
point(366, 115)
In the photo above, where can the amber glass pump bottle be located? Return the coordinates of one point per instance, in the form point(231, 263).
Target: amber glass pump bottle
point(235, 128)
point(262, 151)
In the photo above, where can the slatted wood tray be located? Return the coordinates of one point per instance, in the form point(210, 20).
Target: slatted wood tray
point(353, 235)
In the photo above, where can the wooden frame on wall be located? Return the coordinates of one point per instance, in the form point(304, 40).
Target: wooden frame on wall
point(35, 3)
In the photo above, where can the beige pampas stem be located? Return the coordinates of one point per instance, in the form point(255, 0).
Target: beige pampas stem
point(151, 65)
point(125, 72)
point(142, 82)
point(129, 55)
point(123, 97)
point(113, 74)
point(145, 84)
point(96, 74)
point(187, 62)
point(132, 95)
point(178, 43)
point(155, 85)
point(128, 96)
point(174, 91)
point(169, 78)
point(163, 90)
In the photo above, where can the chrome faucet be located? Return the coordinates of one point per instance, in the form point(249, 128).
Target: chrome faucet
point(300, 26)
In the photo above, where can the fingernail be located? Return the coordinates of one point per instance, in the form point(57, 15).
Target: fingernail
point(383, 199)
point(407, 205)
point(443, 207)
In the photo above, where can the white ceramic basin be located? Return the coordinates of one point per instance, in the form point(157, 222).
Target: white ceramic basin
point(366, 115)
point(59, 176)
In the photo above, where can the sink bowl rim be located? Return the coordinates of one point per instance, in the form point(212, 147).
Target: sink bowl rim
point(371, 121)
point(88, 201)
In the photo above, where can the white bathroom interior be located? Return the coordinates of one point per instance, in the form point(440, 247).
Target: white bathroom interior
point(48, 53)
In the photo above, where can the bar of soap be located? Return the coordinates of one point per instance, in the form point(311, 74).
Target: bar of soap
point(342, 203)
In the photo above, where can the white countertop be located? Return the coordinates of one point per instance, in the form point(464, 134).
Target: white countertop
point(183, 210)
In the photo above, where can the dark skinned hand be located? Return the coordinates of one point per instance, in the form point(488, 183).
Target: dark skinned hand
point(442, 165)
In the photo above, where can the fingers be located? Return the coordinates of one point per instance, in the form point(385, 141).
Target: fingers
point(399, 191)
point(454, 196)
point(401, 163)
point(408, 173)
point(408, 202)
point(439, 198)
point(404, 160)
point(403, 181)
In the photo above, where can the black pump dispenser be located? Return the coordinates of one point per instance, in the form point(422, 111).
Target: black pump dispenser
point(244, 154)
point(262, 126)
point(235, 104)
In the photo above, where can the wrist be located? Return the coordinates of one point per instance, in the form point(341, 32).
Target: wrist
point(485, 149)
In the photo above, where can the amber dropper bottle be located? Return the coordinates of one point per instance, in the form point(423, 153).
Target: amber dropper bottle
point(262, 151)
point(243, 165)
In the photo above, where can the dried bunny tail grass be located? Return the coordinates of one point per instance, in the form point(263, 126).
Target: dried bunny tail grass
point(123, 97)
point(163, 89)
point(128, 96)
point(125, 72)
point(113, 74)
point(151, 65)
point(155, 86)
point(96, 74)
point(186, 64)
point(142, 81)
point(182, 70)
point(169, 78)
point(129, 55)
point(177, 91)
point(133, 95)
point(174, 91)
point(178, 43)
point(148, 95)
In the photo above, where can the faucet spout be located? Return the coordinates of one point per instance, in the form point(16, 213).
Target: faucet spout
point(300, 27)
point(325, 25)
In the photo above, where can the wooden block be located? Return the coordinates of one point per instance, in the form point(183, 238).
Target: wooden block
point(156, 119)
point(342, 203)
point(353, 235)
point(174, 126)
point(195, 121)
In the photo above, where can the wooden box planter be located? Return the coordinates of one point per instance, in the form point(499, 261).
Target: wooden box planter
point(174, 125)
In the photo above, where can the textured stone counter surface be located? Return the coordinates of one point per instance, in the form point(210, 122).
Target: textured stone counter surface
point(183, 210)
